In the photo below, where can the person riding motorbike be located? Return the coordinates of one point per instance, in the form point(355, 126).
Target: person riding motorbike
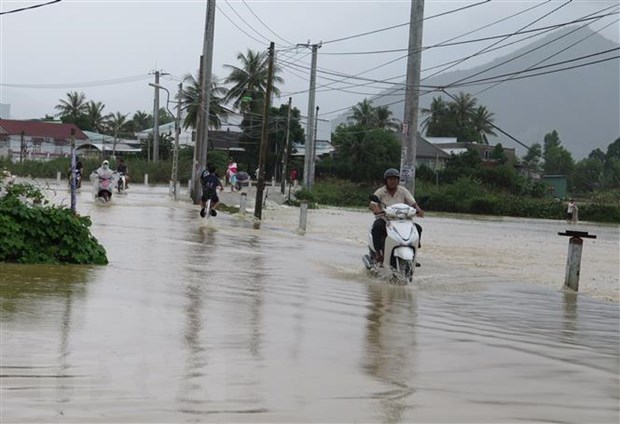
point(210, 184)
point(389, 194)
point(100, 174)
point(121, 168)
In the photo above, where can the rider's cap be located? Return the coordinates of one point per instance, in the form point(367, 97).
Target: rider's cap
point(105, 162)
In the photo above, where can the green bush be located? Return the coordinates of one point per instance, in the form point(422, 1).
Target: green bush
point(34, 232)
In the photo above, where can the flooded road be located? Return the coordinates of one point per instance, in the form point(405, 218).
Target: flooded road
point(211, 320)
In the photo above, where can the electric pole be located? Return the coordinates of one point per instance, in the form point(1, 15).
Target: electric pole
point(313, 153)
point(412, 97)
point(205, 98)
point(260, 186)
point(197, 136)
point(177, 132)
point(73, 173)
point(309, 147)
point(156, 120)
point(286, 143)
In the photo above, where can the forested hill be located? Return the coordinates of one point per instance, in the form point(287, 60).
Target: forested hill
point(582, 104)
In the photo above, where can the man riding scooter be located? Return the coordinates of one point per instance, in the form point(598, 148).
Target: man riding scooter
point(390, 194)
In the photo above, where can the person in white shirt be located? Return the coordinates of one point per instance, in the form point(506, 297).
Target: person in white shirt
point(390, 194)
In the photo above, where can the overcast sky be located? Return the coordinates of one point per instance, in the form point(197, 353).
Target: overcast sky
point(59, 47)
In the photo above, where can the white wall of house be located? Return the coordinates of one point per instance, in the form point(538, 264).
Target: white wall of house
point(43, 148)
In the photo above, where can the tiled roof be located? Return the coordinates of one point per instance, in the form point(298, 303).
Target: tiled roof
point(41, 129)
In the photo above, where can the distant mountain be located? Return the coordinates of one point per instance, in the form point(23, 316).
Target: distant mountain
point(582, 104)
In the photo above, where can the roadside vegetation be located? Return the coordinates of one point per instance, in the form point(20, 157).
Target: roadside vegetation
point(35, 232)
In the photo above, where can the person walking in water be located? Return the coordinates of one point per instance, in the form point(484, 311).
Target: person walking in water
point(571, 212)
point(231, 172)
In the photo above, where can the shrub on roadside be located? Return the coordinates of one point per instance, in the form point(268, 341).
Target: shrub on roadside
point(34, 232)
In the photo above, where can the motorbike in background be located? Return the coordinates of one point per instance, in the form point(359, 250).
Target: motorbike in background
point(121, 185)
point(401, 244)
point(103, 185)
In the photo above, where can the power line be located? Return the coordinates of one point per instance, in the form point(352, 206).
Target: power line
point(245, 22)
point(499, 41)
point(516, 57)
point(549, 57)
point(100, 83)
point(515, 75)
point(445, 41)
point(263, 23)
point(29, 7)
point(404, 24)
point(238, 27)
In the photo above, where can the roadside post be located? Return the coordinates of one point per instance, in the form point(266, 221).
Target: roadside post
point(303, 215)
point(573, 263)
point(242, 203)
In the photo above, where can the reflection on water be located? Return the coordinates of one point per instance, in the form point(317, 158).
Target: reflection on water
point(391, 347)
point(211, 320)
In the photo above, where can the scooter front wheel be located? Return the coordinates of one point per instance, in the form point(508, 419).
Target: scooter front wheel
point(403, 270)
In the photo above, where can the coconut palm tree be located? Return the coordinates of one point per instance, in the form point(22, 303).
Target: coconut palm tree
point(364, 114)
point(191, 102)
point(142, 120)
point(482, 121)
point(463, 108)
point(384, 119)
point(116, 122)
point(94, 113)
point(249, 81)
point(435, 114)
point(74, 106)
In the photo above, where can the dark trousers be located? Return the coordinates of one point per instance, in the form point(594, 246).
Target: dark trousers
point(379, 233)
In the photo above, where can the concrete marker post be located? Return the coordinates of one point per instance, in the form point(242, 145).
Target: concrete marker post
point(242, 203)
point(303, 215)
point(146, 179)
point(58, 177)
point(573, 262)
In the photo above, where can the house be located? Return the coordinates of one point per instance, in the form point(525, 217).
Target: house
point(429, 154)
point(322, 147)
point(218, 139)
point(450, 145)
point(29, 139)
point(98, 144)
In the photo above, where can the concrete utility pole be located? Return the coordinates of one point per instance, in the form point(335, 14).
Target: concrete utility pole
point(156, 120)
point(197, 136)
point(177, 132)
point(286, 144)
point(309, 147)
point(73, 174)
point(205, 98)
point(313, 154)
point(260, 185)
point(412, 97)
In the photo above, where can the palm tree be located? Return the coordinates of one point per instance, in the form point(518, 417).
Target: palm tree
point(364, 114)
point(385, 120)
point(142, 120)
point(191, 102)
point(73, 107)
point(435, 114)
point(482, 122)
point(463, 108)
point(249, 81)
point(96, 119)
point(115, 123)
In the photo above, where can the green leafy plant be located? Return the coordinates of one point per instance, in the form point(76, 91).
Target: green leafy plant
point(34, 232)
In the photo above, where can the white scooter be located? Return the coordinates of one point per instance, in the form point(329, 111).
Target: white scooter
point(121, 185)
point(401, 244)
point(103, 186)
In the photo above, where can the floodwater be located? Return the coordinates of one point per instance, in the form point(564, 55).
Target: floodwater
point(199, 320)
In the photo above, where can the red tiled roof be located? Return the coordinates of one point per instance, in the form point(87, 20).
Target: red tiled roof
point(41, 129)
